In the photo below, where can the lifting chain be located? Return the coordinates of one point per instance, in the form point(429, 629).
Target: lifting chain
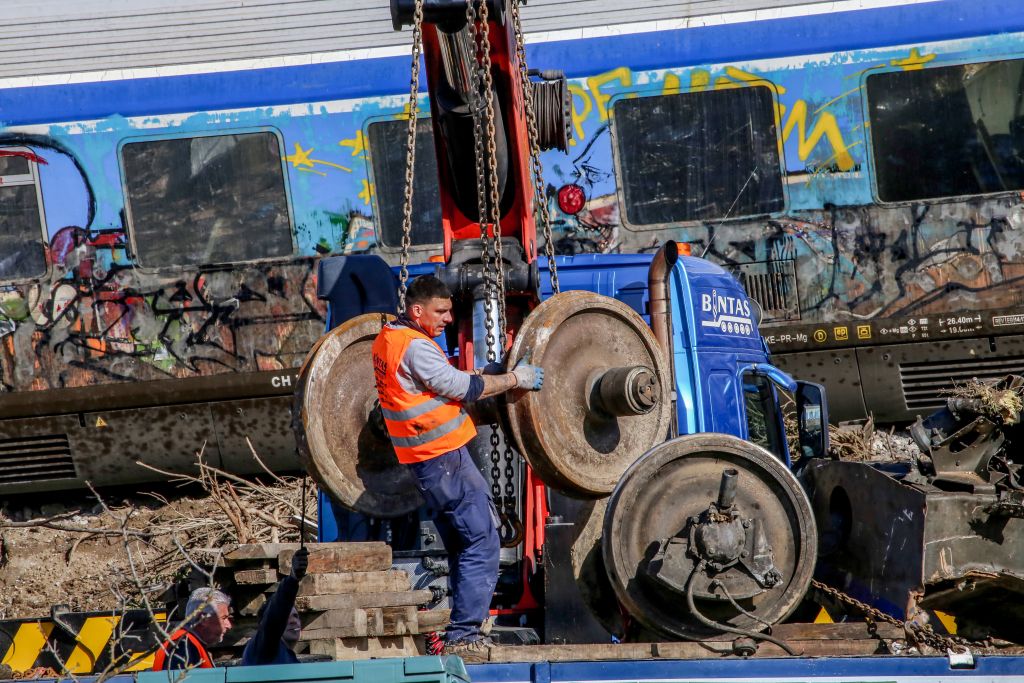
point(488, 210)
point(490, 289)
point(539, 195)
point(923, 634)
point(410, 152)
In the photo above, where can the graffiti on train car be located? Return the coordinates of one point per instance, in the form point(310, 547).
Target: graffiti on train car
point(90, 316)
point(855, 257)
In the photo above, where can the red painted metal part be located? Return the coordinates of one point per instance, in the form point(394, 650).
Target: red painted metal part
point(518, 221)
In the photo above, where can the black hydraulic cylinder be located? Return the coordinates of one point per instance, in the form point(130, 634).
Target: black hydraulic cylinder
point(727, 490)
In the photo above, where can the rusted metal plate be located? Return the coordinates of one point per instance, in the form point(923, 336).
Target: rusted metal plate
point(572, 444)
point(349, 457)
point(674, 483)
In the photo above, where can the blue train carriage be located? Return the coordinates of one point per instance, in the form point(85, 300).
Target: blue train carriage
point(859, 172)
point(164, 224)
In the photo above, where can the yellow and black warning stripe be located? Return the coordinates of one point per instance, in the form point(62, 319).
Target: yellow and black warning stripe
point(81, 642)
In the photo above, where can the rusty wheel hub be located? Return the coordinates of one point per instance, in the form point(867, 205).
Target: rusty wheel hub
point(602, 404)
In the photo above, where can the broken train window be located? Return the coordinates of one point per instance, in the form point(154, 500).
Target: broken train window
point(947, 131)
point(22, 252)
point(698, 156)
point(206, 200)
point(388, 141)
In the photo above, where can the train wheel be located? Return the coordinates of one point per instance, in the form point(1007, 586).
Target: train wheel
point(709, 533)
point(340, 434)
point(604, 401)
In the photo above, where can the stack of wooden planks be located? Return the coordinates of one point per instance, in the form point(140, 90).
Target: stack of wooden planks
point(352, 603)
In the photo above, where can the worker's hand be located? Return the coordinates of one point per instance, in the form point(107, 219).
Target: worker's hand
point(300, 563)
point(529, 377)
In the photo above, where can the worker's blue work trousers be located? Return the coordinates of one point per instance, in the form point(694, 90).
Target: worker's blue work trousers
point(468, 523)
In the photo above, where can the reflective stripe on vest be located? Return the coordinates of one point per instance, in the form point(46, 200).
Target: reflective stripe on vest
point(421, 426)
point(161, 655)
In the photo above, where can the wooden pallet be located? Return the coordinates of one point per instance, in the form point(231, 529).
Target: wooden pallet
point(352, 603)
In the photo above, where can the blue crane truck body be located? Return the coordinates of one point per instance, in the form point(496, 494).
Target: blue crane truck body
point(720, 364)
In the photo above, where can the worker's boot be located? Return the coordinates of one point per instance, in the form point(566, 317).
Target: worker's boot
point(471, 651)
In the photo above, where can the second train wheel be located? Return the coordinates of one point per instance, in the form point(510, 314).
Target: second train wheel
point(606, 392)
point(713, 521)
point(339, 433)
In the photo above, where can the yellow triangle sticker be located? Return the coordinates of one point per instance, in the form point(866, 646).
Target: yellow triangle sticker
point(100, 422)
point(823, 617)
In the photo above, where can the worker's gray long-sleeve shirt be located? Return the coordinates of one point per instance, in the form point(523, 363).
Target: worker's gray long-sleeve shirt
point(425, 367)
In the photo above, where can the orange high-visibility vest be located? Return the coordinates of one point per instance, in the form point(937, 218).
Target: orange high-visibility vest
point(421, 426)
point(161, 654)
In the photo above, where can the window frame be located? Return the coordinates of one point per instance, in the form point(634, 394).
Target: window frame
point(129, 220)
point(620, 191)
point(371, 178)
point(767, 395)
point(937, 63)
point(33, 177)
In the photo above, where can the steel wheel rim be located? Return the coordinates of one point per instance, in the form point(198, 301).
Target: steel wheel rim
point(631, 525)
point(346, 457)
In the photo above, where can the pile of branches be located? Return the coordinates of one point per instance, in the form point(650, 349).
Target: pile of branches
point(126, 555)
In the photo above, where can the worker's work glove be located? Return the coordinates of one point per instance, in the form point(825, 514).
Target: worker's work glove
point(300, 563)
point(528, 377)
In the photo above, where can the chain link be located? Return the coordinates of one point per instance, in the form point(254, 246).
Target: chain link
point(410, 152)
point(493, 214)
point(488, 209)
point(923, 634)
point(539, 195)
point(490, 289)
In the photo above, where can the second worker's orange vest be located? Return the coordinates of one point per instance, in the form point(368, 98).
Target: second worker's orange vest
point(422, 426)
point(161, 655)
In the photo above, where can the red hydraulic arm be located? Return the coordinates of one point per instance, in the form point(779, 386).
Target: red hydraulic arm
point(452, 49)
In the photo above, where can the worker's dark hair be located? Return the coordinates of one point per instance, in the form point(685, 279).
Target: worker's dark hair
point(424, 288)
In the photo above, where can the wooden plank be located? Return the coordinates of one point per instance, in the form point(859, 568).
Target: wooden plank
point(371, 622)
point(562, 653)
point(367, 648)
point(256, 576)
point(433, 619)
point(354, 582)
point(341, 557)
point(684, 650)
point(251, 552)
point(312, 603)
point(804, 648)
point(398, 621)
point(354, 620)
point(846, 631)
point(254, 551)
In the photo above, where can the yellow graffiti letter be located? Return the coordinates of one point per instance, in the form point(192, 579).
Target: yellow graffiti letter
point(699, 79)
point(579, 115)
point(671, 85)
point(622, 75)
point(824, 126)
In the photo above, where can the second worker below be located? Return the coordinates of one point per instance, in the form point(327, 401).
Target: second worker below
point(423, 398)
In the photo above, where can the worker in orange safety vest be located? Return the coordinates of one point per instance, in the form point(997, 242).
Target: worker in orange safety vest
point(423, 398)
point(208, 621)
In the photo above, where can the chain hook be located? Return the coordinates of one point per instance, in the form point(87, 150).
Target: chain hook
point(512, 530)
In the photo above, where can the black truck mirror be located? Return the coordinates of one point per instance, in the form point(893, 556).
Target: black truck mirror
point(812, 418)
